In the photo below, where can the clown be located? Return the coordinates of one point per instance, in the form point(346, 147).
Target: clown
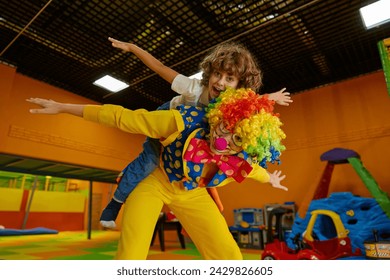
point(203, 149)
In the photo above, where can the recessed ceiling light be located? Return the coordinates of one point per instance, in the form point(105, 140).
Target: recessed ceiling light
point(110, 83)
point(197, 76)
point(376, 13)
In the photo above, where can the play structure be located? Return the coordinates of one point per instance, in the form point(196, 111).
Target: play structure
point(384, 53)
point(339, 226)
point(342, 156)
point(309, 247)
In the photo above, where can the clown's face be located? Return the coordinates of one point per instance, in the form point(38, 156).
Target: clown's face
point(218, 82)
point(223, 142)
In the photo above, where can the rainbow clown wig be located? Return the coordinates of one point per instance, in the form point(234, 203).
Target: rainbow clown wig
point(250, 116)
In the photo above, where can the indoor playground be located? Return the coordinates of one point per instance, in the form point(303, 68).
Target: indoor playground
point(59, 172)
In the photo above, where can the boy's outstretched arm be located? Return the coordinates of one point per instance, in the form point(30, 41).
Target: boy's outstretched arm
point(149, 60)
point(281, 97)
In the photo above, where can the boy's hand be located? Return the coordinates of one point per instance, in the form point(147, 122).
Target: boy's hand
point(119, 44)
point(276, 178)
point(281, 97)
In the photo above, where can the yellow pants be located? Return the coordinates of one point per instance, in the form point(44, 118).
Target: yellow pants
point(195, 209)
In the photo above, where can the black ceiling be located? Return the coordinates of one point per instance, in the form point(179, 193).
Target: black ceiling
point(298, 44)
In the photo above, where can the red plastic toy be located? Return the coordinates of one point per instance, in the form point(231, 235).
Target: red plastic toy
point(309, 247)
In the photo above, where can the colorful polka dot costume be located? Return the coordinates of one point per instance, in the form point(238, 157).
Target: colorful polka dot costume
point(194, 119)
point(189, 172)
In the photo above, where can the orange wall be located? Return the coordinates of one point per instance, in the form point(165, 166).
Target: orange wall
point(351, 114)
point(62, 138)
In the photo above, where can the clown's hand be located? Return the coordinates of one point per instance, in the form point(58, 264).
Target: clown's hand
point(48, 106)
point(281, 97)
point(52, 107)
point(275, 178)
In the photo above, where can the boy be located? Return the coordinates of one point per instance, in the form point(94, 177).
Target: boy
point(227, 65)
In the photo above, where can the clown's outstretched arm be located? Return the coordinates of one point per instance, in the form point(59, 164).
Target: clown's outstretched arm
point(52, 107)
point(133, 121)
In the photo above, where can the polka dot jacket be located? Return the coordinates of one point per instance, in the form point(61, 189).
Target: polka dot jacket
point(178, 169)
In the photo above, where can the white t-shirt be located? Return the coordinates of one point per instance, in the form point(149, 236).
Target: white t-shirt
point(192, 93)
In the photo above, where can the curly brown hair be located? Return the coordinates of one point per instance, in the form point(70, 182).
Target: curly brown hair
point(233, 58)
